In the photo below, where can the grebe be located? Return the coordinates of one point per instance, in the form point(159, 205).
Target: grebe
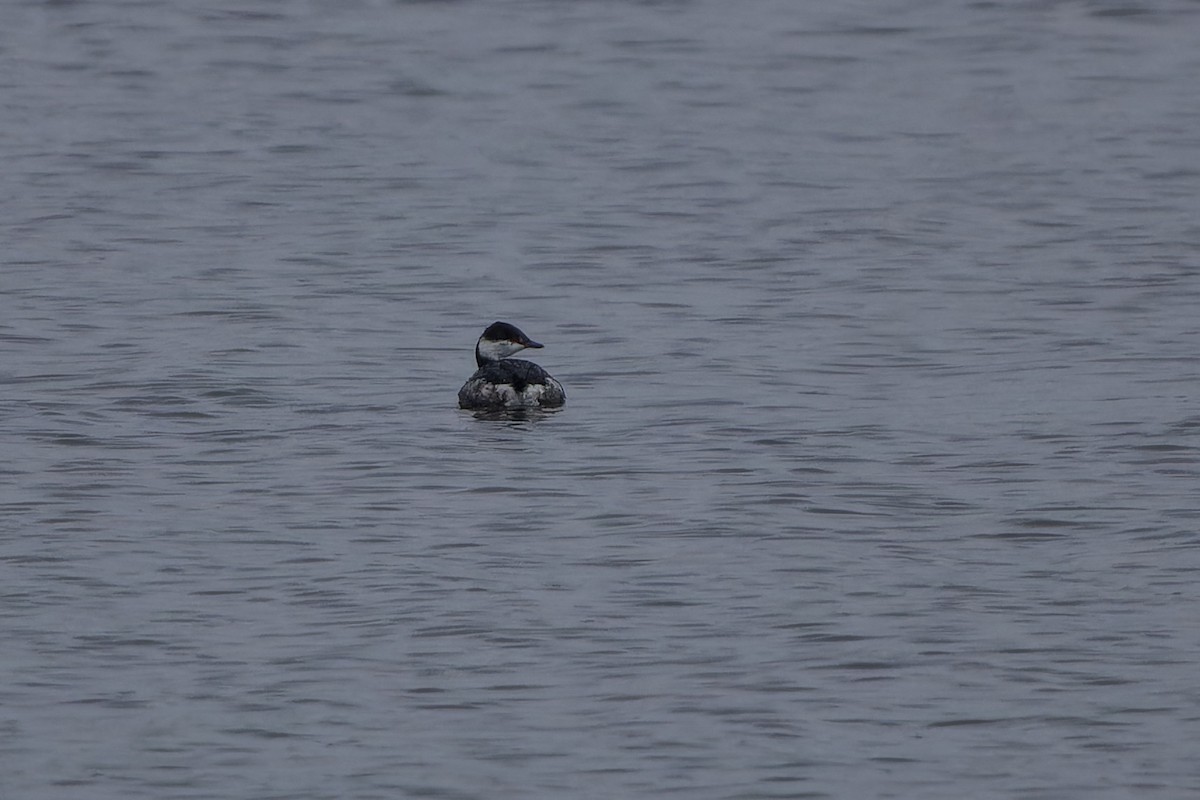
point(502, 382)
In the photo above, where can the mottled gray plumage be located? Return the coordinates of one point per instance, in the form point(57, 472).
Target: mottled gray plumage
point(507, 382)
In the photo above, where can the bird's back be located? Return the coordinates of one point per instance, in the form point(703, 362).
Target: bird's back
point(510, 382)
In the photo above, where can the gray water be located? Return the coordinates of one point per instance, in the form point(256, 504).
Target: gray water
point(878, 471)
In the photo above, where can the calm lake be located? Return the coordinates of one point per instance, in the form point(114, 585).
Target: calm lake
point(878, 474)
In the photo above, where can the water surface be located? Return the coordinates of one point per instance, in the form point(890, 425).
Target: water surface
point(878, 470)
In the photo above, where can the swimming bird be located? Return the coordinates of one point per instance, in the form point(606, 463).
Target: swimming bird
point(503, 382)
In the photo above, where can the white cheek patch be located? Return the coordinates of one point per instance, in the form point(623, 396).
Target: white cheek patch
point(494, 351)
